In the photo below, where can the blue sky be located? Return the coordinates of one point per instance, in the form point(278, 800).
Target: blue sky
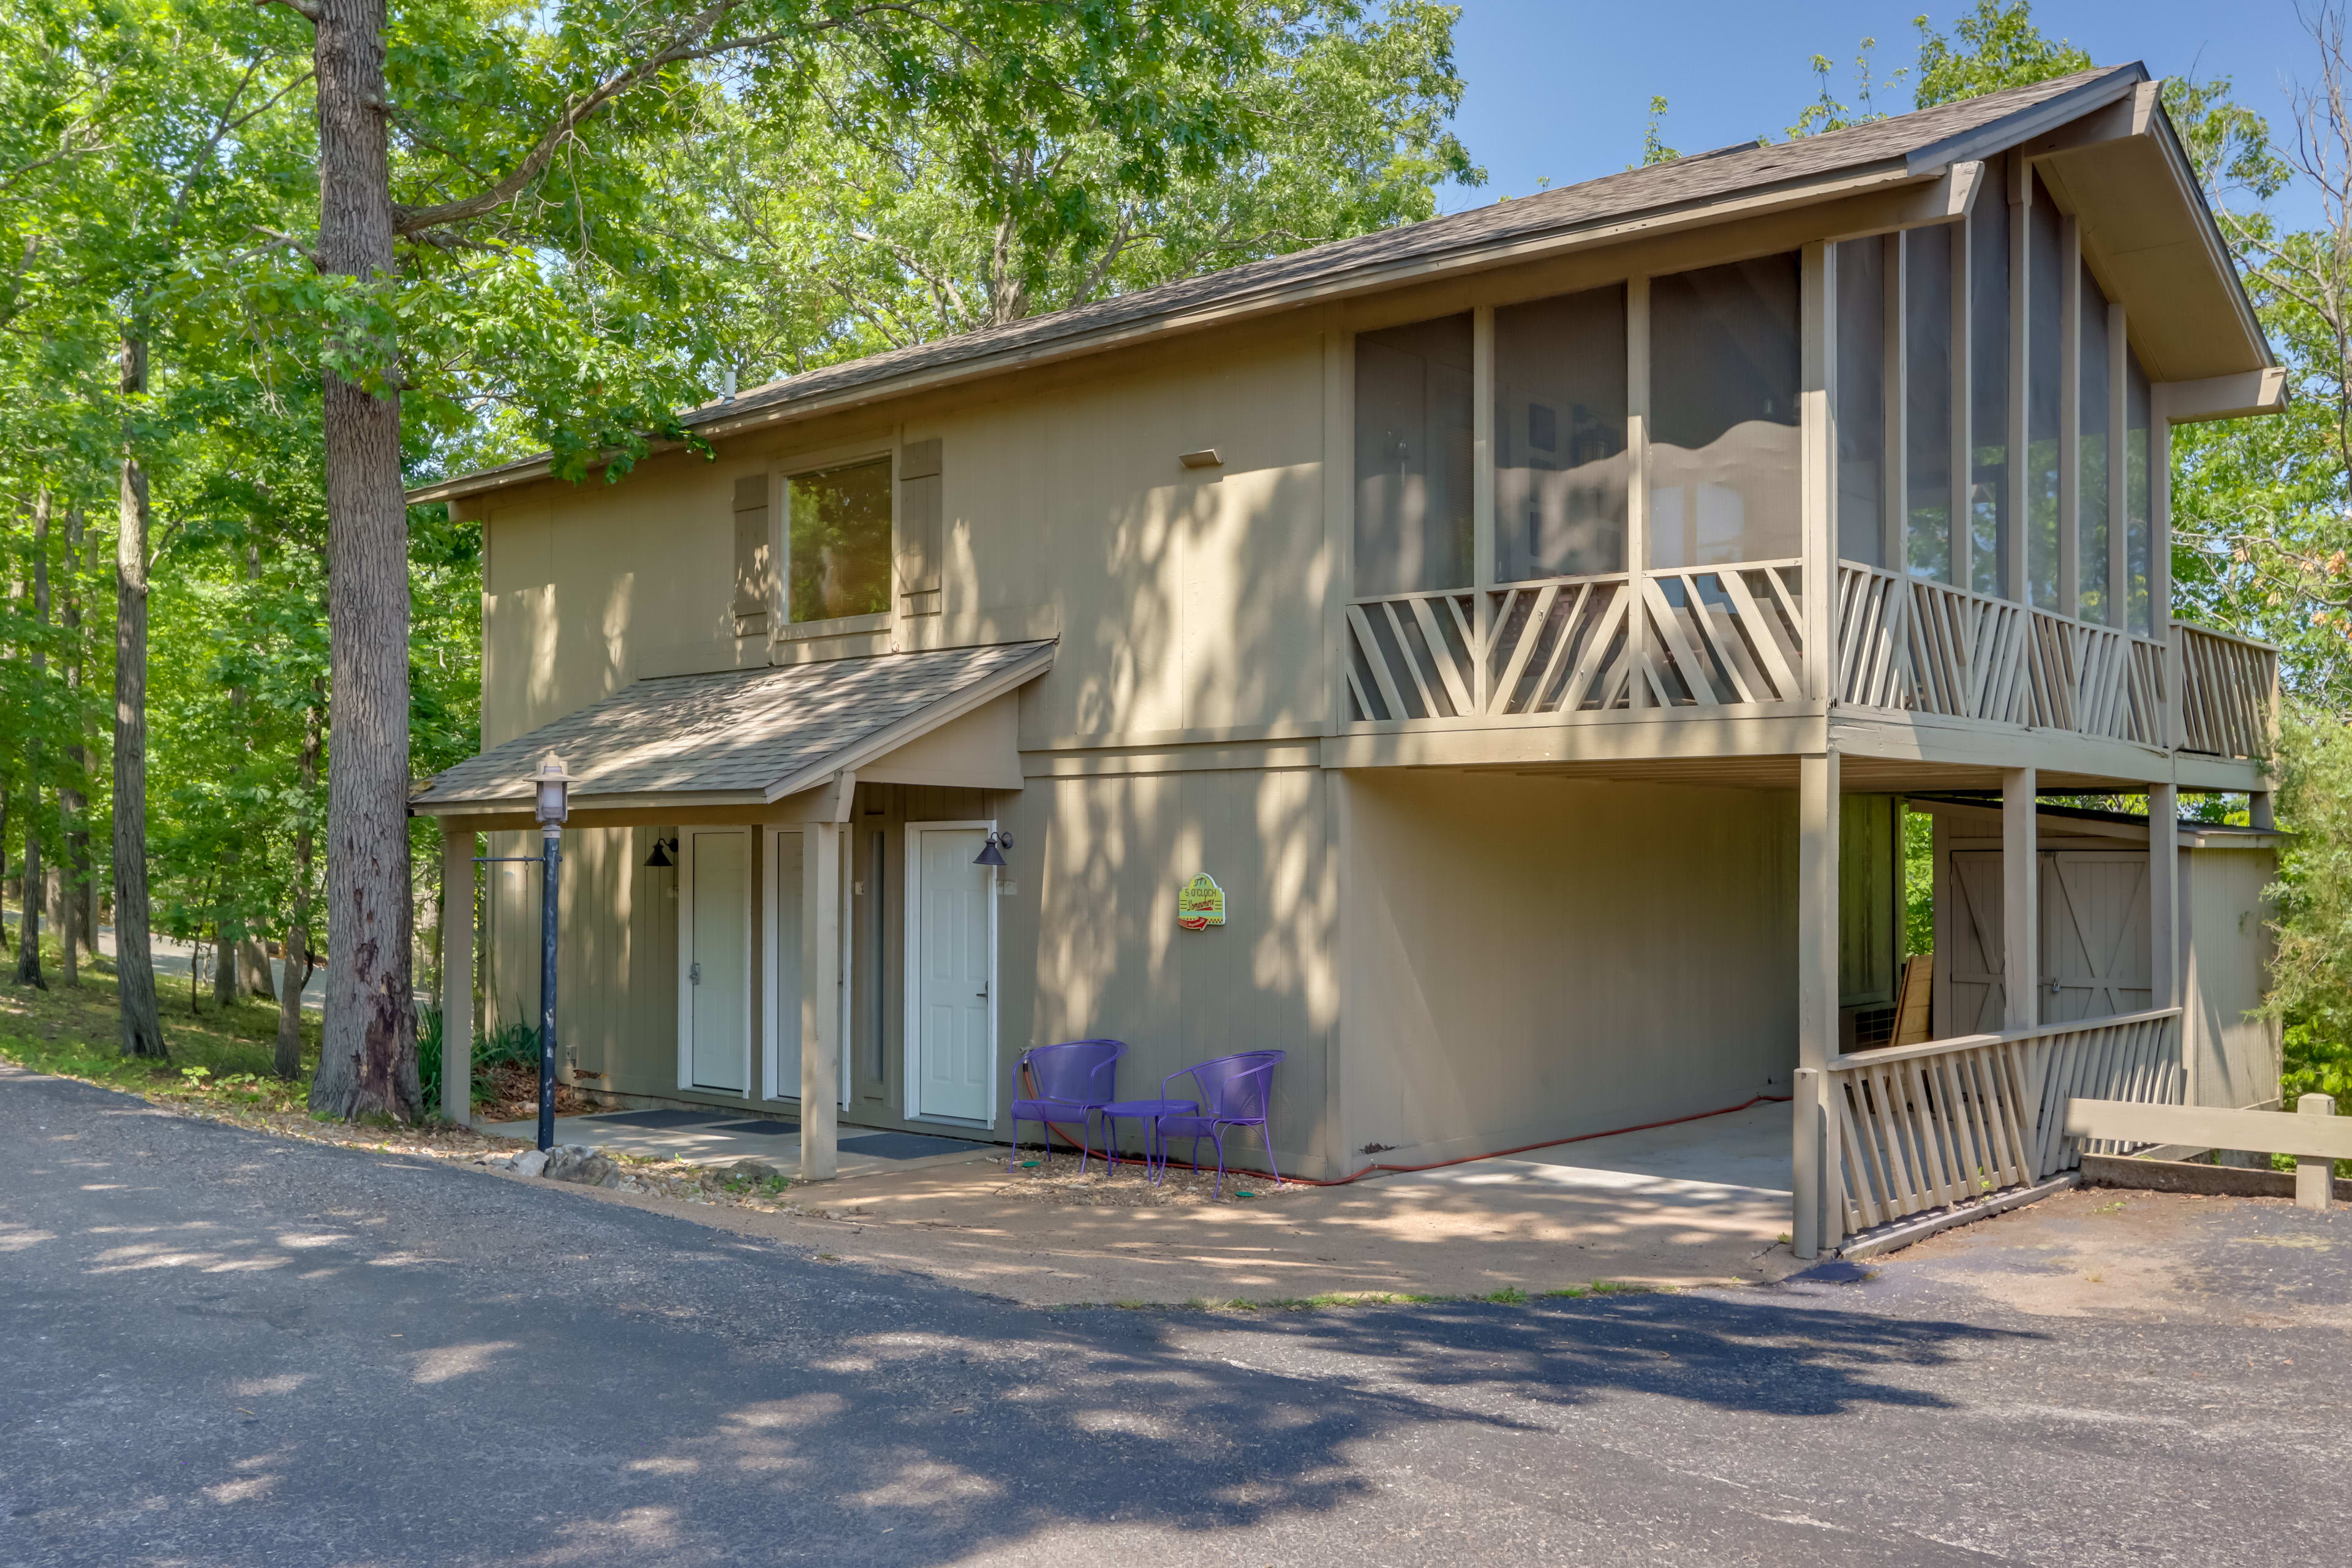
point(1563, 90)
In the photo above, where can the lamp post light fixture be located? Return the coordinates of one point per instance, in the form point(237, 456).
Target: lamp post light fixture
point(553, 786)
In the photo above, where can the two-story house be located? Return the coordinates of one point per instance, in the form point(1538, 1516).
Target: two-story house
point(1532, 620)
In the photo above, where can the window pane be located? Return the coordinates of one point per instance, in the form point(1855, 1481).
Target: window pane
point(1861, 399)
point(1723, 383)
point(1988, 388)
point(2092, 492)
point(2139, 478)
point(1413, 457)
point(2045, 263)
point(1560, 466)
point(840, 545)
point(1928, 401)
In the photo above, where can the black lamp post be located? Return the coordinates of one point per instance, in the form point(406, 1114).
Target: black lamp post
point(553, 784)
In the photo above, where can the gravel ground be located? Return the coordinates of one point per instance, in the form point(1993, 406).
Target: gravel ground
point(228, 1348)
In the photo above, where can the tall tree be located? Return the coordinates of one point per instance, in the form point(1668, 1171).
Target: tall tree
point(528, 96)
point(134, 957)
point(28, 922)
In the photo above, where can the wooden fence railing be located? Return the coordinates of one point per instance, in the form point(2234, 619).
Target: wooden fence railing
point(1916, 1128)
point(2228, 686)
point(1929, 648)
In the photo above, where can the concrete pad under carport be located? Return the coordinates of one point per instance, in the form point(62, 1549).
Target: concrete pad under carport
point(1532, 1223)
point(720, 1139)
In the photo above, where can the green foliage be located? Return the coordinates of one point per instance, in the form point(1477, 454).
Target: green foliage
point(507, 1045)
point(1991, 48)
point(1655, 150)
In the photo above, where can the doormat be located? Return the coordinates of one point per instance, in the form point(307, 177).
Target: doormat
point(660, 1117)
point(904, 1145)
point(761, 1128)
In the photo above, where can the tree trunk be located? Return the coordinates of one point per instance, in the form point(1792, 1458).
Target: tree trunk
point(253, 968)
point(76, 930)
point(28, 925)
point(288, 1061)
point(134, 960)
point(368, 1057)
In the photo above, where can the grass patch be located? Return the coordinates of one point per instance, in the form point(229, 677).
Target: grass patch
point(219, 1054)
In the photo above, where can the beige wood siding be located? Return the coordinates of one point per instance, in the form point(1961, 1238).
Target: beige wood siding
point(1537, 958)
point(2233, 1051)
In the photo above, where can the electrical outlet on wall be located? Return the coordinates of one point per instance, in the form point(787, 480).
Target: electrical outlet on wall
point(1006, 888)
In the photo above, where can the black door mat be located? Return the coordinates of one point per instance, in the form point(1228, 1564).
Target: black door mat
point(661, 1118)
point(904, 1145)
point(763, 1128)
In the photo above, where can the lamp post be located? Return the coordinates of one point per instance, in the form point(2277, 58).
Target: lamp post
point(553, 784)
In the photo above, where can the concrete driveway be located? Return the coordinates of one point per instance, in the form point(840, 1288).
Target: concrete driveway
point(230, 1349)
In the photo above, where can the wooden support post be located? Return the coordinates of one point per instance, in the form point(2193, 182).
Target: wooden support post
point(1637, 496)
point(1481, 499)
point(1817, 482)
point(1817, 986)
point(2021, 900)
point(2260, 813)
point(820, 1000)
point(457, 971)
point(2315, 1175)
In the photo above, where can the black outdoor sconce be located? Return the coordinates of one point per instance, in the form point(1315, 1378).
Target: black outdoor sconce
point(992, 852)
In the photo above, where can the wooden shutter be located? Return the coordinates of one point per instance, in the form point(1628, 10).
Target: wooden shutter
point(920, 543)
point(755, 557)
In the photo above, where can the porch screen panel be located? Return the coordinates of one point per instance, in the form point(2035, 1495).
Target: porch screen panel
point(2139, 480)
point(1413, 502)
point(1560, 465)
point(1723, 373)
point(2092, 492)
point(2045, 296)
point(1988, 412)
point(1861, 399)
point(1928, 403)
point(839, 546)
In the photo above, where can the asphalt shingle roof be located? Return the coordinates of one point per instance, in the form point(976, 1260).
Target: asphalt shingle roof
point(734, 733)
point(1920, 140)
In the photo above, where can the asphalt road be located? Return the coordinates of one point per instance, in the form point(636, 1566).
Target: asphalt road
point(228, 1348)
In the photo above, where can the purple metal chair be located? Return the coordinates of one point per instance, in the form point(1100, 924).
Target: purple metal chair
point(1233, 1092)
point(1071, 1081)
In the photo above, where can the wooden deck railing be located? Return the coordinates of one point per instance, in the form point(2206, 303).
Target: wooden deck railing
point(2228, 685)
point(1732, 637)
point(1929, 648)
point(1698, 638)
point(1916, 1128)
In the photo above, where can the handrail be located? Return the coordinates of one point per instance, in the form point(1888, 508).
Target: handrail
point(2239, 637)
point(1883, 1054)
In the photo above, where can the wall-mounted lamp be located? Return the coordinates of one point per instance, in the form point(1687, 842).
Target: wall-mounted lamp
point(660, 860)
point(554, 789)
point(1206, 458)
point(992, 852)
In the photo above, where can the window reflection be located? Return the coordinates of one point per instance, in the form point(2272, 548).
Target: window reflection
point(1861, 399)
point(1927, 400)
point(2091, 467)
point(2046, 293)
point(1560, 464)
point(1724, 369)
point(840, 541)
point(2139, 454)
point(1989, 519)
point(1414, 503)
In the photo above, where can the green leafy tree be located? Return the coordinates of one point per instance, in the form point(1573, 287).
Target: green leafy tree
point(1991, 48)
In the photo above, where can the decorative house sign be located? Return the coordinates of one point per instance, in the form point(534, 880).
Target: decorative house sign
point(1200, 904)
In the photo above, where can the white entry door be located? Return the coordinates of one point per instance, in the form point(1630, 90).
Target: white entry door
point(714, 1022)
point(950, 973)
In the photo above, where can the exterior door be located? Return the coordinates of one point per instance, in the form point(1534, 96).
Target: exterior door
point(1975, 937)
point(714, 951)
point(2094, 957)
point(951, 973)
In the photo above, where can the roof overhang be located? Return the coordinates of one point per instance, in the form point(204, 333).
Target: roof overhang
point(611, 740)
point(1935, 194)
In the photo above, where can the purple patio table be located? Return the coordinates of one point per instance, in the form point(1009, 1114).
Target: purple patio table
point(1150, 1110)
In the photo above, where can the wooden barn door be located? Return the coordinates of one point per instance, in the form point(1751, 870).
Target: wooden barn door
point(2094, 957)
